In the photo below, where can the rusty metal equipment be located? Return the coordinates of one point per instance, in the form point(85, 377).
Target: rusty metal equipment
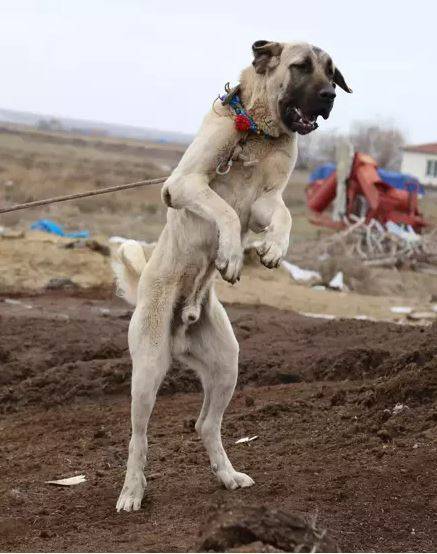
point(370, 194)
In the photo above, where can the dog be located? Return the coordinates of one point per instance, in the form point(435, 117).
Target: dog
point(229, 181)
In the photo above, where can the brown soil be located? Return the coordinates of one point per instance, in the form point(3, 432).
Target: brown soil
point(320, 395)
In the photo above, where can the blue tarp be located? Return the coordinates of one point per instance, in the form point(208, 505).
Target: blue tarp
point(401, 181)
point(49, 226)
point(392, 178)
point(322, 172)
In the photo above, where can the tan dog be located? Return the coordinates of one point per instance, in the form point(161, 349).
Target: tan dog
point(177, 313)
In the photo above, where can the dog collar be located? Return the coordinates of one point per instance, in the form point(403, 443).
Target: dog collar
point(244, 122)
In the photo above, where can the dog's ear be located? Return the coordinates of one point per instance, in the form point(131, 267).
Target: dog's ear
point(339, 80)
point(266, 55)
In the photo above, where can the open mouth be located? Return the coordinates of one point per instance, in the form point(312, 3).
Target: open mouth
point(300, 122)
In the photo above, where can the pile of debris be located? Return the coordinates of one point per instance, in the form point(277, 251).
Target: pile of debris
point(383, 246)
point(263, 529)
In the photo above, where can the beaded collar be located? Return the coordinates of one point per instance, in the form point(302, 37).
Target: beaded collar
point(244, 122)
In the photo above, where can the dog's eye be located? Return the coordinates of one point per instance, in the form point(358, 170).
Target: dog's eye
point(330, 71)
point(305, 66)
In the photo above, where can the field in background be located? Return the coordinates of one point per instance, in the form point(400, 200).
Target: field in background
point(37, 165)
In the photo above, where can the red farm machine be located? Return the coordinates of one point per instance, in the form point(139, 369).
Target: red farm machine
point(368, 192)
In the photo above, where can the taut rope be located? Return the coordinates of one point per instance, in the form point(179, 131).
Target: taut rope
point(55, 199)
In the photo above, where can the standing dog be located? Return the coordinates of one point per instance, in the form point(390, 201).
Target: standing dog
point(212, 208)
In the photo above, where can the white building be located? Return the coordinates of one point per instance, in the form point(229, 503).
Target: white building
point(421, 162)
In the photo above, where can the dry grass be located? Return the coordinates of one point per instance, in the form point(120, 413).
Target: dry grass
point(38, 165)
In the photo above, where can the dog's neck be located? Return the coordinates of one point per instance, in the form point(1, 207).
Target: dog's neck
point(255, 99)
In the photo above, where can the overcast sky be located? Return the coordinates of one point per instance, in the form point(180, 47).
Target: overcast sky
point(161, 63)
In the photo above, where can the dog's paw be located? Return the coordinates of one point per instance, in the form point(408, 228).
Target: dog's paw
point(229, 262)
point(232, 479)
point(132, 494)
point(271, 252)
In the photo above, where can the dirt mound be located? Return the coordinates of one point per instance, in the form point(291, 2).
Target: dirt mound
point(40, 258)
point(263, 529)
point(74, 381)
point(353, 363)
point(84, 354)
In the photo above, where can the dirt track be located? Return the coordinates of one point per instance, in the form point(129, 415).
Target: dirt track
point(320, 395)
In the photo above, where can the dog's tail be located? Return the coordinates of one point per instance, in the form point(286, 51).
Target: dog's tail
point(128, 264)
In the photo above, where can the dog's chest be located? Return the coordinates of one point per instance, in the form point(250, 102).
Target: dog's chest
point(254, 165)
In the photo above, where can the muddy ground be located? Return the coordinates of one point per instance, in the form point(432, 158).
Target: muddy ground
point(320, 394)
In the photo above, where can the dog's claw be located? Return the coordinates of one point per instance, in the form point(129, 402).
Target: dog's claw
point(270, 253)
point(229, 258)
point(230, 268)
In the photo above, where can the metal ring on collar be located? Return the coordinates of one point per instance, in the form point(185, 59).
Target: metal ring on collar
point(219, 171)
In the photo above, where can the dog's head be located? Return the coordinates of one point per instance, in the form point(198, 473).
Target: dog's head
point(300, 81)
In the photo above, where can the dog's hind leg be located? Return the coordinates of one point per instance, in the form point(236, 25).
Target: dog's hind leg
point(211, 349)
point(149, 344)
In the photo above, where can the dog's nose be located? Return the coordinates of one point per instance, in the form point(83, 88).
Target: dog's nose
point(327, 94)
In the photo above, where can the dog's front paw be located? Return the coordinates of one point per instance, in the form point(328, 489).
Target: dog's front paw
point(271, 252)
point(132, 494)
point(229, 260)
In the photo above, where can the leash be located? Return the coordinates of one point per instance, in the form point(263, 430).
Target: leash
point(106, 190)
